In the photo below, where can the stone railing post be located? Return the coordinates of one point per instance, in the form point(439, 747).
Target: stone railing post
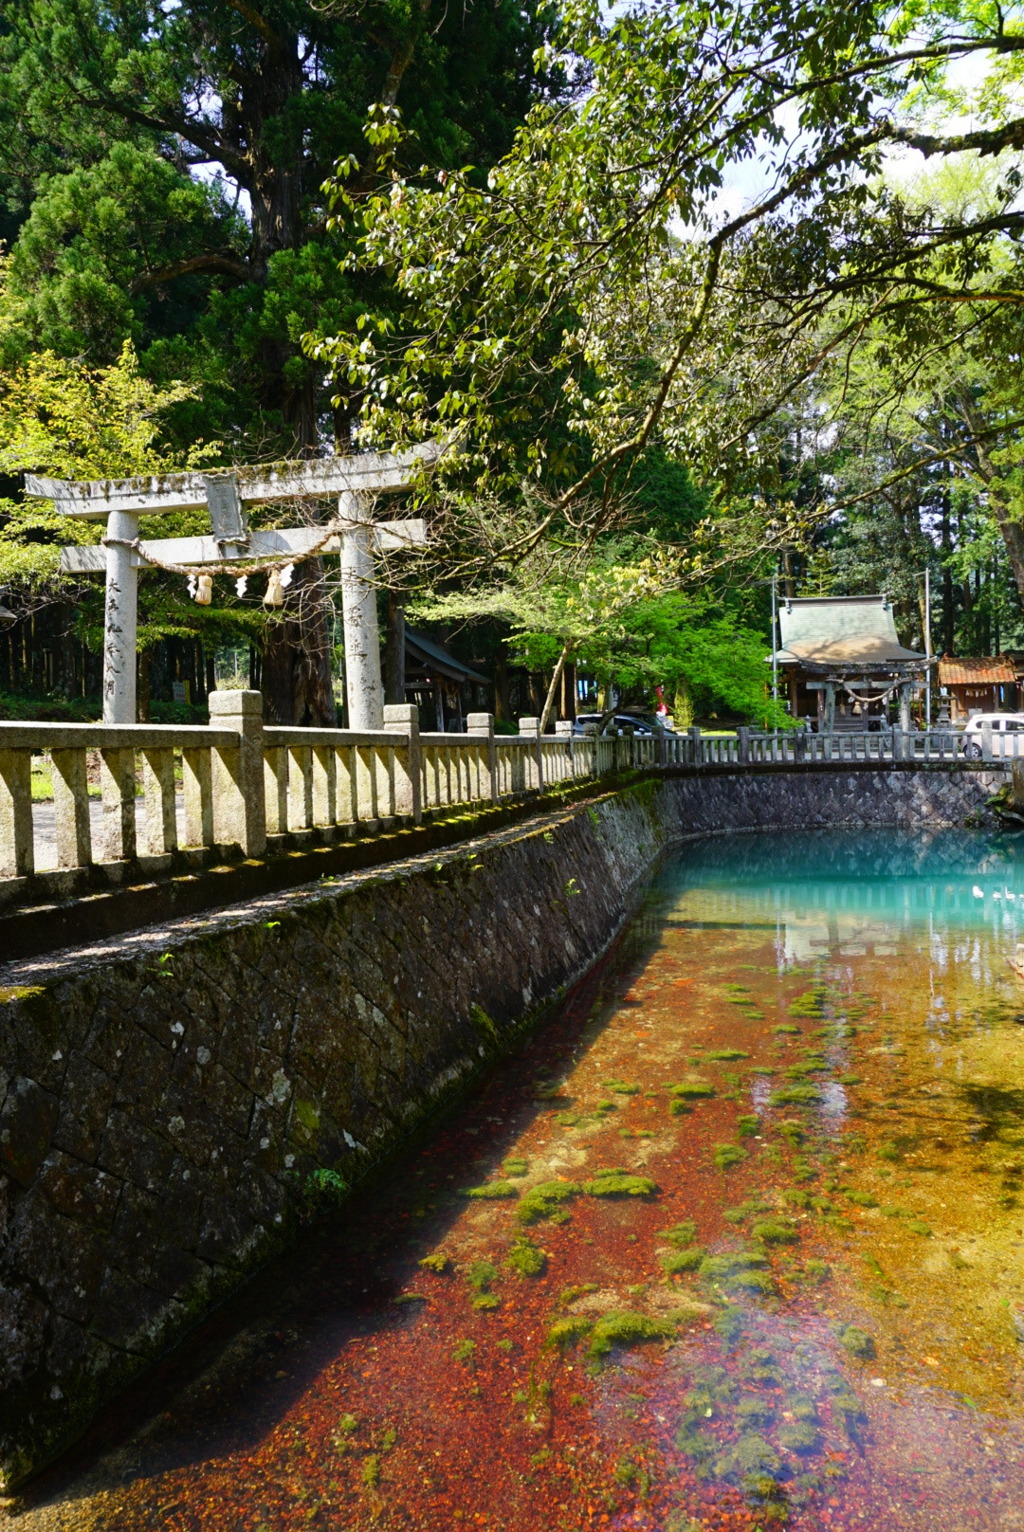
point(693, 734)
point(530, 727)
point(480, 726)
point(239, 790)
point(16, 844)
point(986, 741)
point(743, 745)
point(404, 718)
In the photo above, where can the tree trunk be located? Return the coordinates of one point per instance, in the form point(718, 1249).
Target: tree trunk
point(296, 677)
point(556, 676)
point(394, 651)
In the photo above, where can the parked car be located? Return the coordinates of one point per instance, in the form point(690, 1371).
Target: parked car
point(1005, 728)
point(640, 723)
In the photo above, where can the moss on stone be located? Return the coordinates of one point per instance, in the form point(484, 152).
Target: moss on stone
point(857, 1342)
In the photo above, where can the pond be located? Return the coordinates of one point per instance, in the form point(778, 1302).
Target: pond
point(736, 1241)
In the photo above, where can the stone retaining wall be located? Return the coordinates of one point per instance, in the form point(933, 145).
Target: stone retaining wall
point(176, 1101)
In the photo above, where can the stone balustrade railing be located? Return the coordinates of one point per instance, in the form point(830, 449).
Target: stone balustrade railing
point(131, 799)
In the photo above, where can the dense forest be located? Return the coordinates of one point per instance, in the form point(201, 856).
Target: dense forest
point(696, 294)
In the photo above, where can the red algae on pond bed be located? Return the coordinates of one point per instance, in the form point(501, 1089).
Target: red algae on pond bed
point(818, 1331)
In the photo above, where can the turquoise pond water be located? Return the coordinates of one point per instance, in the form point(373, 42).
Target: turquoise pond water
point(735, 1241)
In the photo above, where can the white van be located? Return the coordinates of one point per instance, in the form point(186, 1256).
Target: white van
point(1007, 735)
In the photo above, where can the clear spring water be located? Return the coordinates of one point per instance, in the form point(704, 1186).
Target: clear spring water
point(745, 1247)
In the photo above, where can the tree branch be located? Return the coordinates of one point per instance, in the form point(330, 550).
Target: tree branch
point(186, 267)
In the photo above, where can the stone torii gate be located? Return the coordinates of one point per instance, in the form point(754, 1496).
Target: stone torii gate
point(232, 549)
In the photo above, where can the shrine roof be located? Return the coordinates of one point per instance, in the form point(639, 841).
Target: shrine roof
point(841, 631)
point(980, 670)
point(436, 660)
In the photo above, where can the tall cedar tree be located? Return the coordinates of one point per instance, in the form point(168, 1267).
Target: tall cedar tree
point(110, 109)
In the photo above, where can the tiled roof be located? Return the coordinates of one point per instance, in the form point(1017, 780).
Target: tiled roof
point(984, 670)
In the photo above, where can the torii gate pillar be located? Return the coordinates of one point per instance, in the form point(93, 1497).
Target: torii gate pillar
point(120, 627)
point(363, 688)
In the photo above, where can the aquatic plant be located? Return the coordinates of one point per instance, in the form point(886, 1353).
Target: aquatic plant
point(567, 1332)
point(850, 1080)
point(438, 1262)
point(792, 1131)
point(716, 1267)
point(727, 1155)
point(464, 1350)
point(682, 1260)
point(726, 1055)
point(752, 1282)
point(747, 1126)
point(692, 1090)
point(860, 1199)
point(918, 1226)
point(810, 1004)
point(761, 1366)
point(526, 1258)
point(795, 1095)
point(752, 1410)
point(570, 1294)
point(680, 1234)
point(799, 1436)
point(544, 1200)
point(619, 1183)
point(786, 1027)
point(848, 1412)
point(515, 1167)
point(817, 1271)
point(795, 1197)
point(491, 1189)
point(857, 1342)
point(772, 1231)
point(625, 1327)
point(621, 1087)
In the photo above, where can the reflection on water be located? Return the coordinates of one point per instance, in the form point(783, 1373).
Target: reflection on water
point(735, 1243)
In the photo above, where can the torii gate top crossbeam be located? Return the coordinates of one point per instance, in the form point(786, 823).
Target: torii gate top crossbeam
point(366, 473)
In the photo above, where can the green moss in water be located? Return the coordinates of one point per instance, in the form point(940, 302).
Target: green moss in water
point(857, 1342)
point(526, 1258)
point(848, 1412)
point(759, 1282)
point(785, 1028)
point(727, 1055)
point(692, 1090)
point(725, 1156)
point(486, 1301)
point(568, 1119)
point(569, 1295)
point(802, 1407)
point(817, 1271)
point(681, 1234)
point(438, 1263)
point(773, 1231)
point(918, 1226)
point(751, 1454)
point(747, 1126)
point(619, 1183)
point(795, 1095)
point(850, 1080)
point(682, 1260)
point(515, 1167)
point(625, 1328)
point(752, 1410)
point(762, 1366)
point(803, 1170)
point(718, 1267)
point(792, 1132)
point(492, 1189)
point(799, 1436)
point(621, 1087)
point(811, 1004)
point(567, 1332)
point(860, 1199)
point(480, 1274)
point(796, 1198)
point(544, 1201)
point(749, 1209)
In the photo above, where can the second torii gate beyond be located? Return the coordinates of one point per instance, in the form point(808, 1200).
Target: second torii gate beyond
point(231, 547)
